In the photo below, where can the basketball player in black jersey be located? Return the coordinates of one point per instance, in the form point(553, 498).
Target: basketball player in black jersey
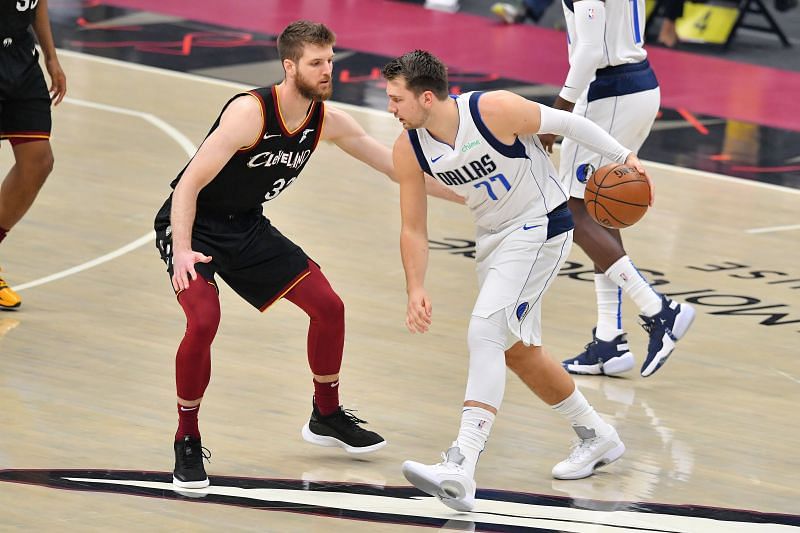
point(25, 111)
point(213, 224)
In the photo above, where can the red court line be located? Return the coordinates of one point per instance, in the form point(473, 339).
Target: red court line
point(700, 84)
point(691, 119)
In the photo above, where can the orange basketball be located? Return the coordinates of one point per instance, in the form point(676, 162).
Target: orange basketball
point(617, 196)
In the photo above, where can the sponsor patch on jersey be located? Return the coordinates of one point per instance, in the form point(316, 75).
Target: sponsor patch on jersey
point(470, 145)
point(584, 171)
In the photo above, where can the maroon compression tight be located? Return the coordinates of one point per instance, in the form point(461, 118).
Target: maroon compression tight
point(200, 303)
point(315, 296)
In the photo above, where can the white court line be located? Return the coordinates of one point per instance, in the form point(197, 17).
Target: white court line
point(720, 177)
point(167, 128)
point(789, 376)
point(190, 149)
point(773, 228)
point(141, 241)
point(173, 133)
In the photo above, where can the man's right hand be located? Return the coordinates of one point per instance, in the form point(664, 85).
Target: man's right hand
point(633, 161)
point(183, 267)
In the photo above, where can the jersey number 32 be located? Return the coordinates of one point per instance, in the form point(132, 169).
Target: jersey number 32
point(24, 5)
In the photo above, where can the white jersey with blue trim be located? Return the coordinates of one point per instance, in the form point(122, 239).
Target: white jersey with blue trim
point(624, 35)
point(502, 184)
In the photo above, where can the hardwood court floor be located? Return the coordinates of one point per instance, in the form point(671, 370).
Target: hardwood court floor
point(86, 366)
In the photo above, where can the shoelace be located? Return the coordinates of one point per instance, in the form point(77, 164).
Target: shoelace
point(352, 419)
point(648, 323)
point(206, 453)
point(580, 448)
point(587, 351)
point(193, 460)
point(447, 463)
point(450, 465)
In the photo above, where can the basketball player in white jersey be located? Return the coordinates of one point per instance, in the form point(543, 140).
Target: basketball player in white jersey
point(610, 82)
point(484, 147)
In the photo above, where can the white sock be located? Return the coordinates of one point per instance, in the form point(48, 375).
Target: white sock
point(584, 419)
point(625, 275)
point(609, 308)
point(476, 424)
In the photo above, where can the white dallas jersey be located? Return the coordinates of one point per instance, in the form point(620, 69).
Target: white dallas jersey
point(502, 184)
point(624, 36)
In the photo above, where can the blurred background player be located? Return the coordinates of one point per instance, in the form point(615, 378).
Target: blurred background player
point(25, 119)
point(668, 34)
point(610, 82)
point(520, 12)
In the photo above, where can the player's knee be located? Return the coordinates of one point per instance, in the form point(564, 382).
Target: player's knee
point(202, 325)
point(46, 165)
point(326, 305)
point(330, 307)
point(38, 171)
point(37, 164)
point(200, 303)
point(474, 338)
point(485, 334)
point(486, 380)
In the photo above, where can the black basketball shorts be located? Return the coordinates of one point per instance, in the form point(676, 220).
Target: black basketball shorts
point(24, 98)
point(247, 252)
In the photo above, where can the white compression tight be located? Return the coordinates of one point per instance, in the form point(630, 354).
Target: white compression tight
point(486, 339)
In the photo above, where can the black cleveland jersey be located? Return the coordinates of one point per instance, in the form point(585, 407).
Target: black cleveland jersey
point(261, 172)
point(15, 18)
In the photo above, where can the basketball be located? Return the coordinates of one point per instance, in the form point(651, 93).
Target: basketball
point(617, 196)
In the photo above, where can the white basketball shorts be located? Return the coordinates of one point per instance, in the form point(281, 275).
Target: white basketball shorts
point(628, 118)
point(515, 267)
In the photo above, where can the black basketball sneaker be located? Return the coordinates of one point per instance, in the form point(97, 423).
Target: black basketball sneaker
point(189, 471)
point(341, 428)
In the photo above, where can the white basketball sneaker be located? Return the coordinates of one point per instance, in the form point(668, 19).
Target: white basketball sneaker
point(589, 454)
point(447, 480)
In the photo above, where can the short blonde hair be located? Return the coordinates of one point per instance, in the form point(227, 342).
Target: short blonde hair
point(296, 35)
